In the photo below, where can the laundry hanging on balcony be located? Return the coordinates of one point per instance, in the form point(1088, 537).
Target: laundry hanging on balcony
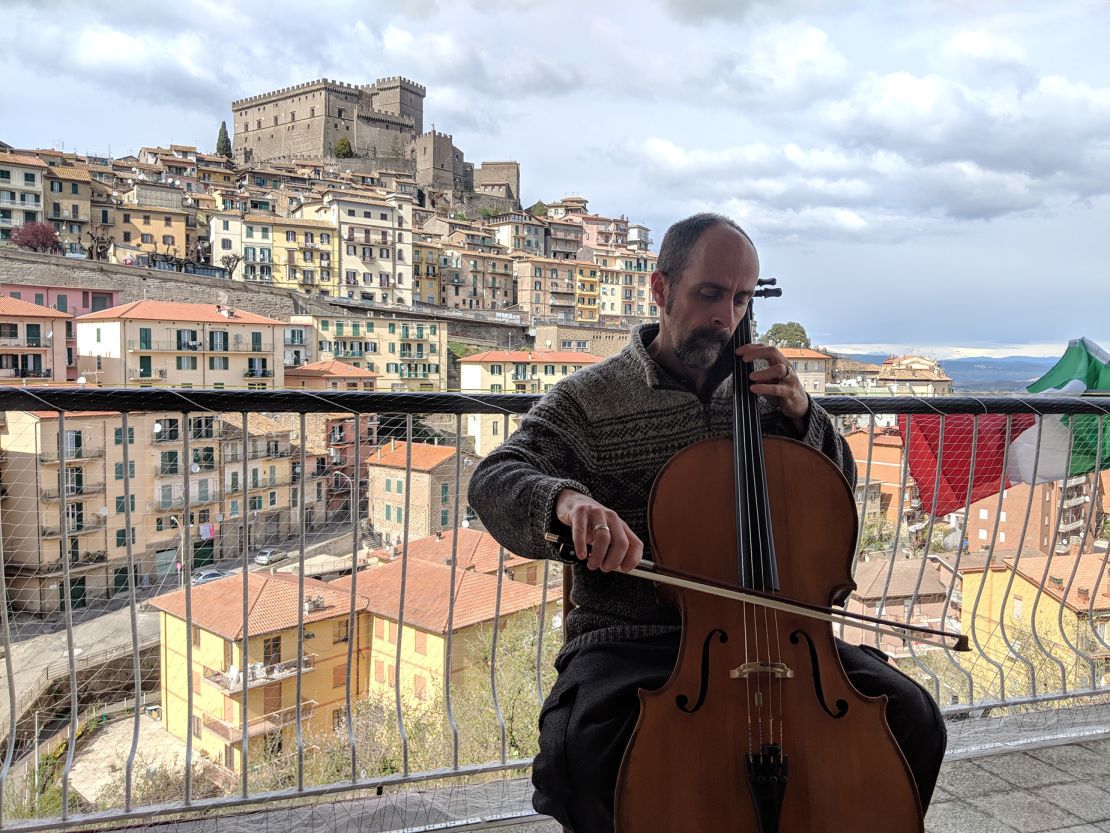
point(1083, 369)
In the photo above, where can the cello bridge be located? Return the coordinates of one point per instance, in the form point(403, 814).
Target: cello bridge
point(778, 670)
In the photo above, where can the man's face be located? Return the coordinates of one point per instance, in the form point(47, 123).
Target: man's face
point(701, 312)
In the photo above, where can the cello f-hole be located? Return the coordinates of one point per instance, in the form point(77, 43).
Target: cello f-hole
point(818, 688)
point(682, 700)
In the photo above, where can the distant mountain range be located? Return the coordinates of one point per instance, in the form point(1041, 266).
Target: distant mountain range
point(983, 374)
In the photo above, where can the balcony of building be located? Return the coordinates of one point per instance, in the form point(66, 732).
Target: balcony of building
point(259, 726)
point(71, 491)
point(74, 526)
point(257, 674)
point(78, 454)
point(1027, 719)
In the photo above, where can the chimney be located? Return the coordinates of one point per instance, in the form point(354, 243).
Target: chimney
point(1084, 593)
point(439, 535)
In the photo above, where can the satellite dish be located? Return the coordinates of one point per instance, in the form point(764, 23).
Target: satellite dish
point(194, 468)
point(157, 428)
point(219, 517)
point(103, 511)
point(81, 380)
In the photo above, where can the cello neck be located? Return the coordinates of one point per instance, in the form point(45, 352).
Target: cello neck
point(755, 546)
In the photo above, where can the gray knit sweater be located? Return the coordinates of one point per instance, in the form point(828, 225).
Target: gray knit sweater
point(607, 431)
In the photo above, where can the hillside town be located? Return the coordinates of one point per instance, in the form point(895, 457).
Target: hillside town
point(331, 243)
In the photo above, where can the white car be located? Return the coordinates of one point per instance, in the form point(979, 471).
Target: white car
point(269, 555)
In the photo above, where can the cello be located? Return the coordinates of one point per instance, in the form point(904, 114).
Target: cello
point(758, 729)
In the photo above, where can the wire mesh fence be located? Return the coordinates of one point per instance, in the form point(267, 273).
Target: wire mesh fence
point(217, 600)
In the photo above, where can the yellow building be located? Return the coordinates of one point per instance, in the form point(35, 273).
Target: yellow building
point(68, 195)
point(431, 498)
point(306, 256)
point(426, 270)
point(148, 229)
point(811, 367)
point(407, 354)
point(1009, 625)
point(587, 300)
point(95, 534)
point(428, 596)
point(180, 345)
point(29, 346)
point(219, 670)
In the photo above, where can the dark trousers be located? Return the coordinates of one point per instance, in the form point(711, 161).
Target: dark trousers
point(589, 716)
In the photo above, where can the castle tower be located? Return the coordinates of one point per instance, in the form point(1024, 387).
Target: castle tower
point(399, 97)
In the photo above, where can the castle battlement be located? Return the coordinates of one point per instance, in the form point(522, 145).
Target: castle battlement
point(296, 88)
point(437, 134)
point(399, 80)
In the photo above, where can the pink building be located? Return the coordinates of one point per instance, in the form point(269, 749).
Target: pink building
point(72, 300)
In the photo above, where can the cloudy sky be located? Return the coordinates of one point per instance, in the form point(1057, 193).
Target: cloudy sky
point(927, 175)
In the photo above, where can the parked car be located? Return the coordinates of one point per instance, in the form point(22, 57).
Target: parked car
point(208, 574)
point(269, 555)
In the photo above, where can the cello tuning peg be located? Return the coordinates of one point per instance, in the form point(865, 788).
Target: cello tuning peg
point(767, 281)
point(768, 293)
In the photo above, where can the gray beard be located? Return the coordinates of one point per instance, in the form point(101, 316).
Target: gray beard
point(701, 348)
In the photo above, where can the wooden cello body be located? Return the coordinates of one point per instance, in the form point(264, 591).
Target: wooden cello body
point(759, 730)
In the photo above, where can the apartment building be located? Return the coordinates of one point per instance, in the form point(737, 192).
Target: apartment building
point(427, 263)
point(330, 374)
point(437, 609)
point(545, 287)
point(914, 376)
point(297, 254)
point(518, 231)
point(431, 497)
point(150, 229)
point(587, 299)
point(376, 236)
point(407, 354)
point(564, 238)
point(234, 500)
point(520, 371)
point(626, 284)
point(180, 345)
point(67, 192)
point(219, 670)
point(32, 341)
point(482, 280)
point(1029, 609)
point(811, 367)
point(68, 299)
point(21, 191)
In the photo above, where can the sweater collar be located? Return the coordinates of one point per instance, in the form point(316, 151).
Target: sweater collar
point(654, 373)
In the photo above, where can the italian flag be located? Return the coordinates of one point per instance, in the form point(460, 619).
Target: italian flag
point(1068, 444)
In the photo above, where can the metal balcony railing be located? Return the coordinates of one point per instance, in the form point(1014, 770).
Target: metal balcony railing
point(72, 455)
point(264, 725)
point(1036, 620)
point(72, 490)
point(27, 342)
point(172, 346)
point(257, 674)
point(90, 523)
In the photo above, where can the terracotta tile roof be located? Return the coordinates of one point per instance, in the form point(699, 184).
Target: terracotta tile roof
point(428, 594)
point(331, 368)
point(802, 353)
point(871, 578)
point(25, 309)
point(258, 425)
point(20, 159)
point(425, 456)
point(477, 549)
point(271, 604)
point(69, 172)
point(1031, 566)
point(176, 311)
point(530, 357)
point(853, 366)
